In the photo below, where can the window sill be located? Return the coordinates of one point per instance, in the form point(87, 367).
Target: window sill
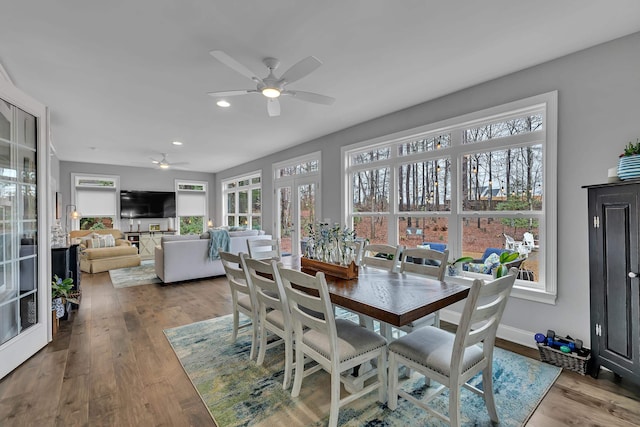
point(519, 291)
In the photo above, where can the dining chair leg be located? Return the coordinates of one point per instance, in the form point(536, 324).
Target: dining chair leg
point(263, 341)
point(392, 395)
point(299, 374)
point(335, 396)
point(288, 360)
point(236, 322)
point(382, 377)
point(254, 340)
point(436, 319)
point(454, 404)
point(487, 386)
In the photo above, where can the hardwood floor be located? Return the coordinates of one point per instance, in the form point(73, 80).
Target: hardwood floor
point(110, 365)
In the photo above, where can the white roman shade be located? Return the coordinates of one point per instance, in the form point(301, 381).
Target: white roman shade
point(191, 199)
point(96, 202)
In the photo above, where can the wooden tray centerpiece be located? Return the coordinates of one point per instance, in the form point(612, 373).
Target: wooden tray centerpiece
point(336, 270)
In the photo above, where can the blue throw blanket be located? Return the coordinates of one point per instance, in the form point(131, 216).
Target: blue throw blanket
point(218, 241)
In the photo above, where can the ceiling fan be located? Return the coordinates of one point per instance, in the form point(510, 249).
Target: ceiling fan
point(164, 163)
point(271, 86)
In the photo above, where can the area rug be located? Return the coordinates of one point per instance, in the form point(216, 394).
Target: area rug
point(144, 274)
point(237, 392)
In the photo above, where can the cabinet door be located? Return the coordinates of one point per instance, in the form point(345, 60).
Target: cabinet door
point(615, 297)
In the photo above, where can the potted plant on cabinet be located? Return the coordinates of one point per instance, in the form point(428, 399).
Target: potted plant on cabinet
point(629, 162)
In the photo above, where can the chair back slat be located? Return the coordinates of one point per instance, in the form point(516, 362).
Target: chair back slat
point(266, 281)
point(308, 292)
point(235, 274)
point(434, 263)
point(369, 258)
point(493, 296)
point(264, 249)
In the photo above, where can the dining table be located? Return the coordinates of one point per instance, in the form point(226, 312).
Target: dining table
point(392, 298)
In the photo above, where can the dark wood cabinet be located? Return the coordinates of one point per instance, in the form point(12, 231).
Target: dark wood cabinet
point(614, 275)
point(65, 262)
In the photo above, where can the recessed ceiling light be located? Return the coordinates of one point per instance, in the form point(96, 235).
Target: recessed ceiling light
point(223, 103)
point(177, 143)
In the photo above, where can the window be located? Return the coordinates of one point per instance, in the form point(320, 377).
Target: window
point(191, 206)
point(474, 182)
point(95, 200)
point(242, 201)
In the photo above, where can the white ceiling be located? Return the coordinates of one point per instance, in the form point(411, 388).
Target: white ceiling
point(123, 79)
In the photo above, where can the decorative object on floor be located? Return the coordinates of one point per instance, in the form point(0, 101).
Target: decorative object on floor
point(144, 274)
point(237, 391)
point(629, 162)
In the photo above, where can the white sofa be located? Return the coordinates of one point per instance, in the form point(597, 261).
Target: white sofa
point(180, 258)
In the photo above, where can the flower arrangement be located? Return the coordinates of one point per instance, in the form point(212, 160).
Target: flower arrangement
point(330, 243)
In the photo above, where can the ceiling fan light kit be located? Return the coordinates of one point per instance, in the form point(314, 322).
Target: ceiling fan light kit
point(271, 86)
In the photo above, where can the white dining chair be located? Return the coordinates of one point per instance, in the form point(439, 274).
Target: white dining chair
point(243, 297)
point(453, 359)
point(381, 255)
point(274, 314)
point(384, 257)
point(264, 249)
point(337, 345)
point(429, 263)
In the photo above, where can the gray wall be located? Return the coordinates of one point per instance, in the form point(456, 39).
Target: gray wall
point(132, 178)
point(599, 112)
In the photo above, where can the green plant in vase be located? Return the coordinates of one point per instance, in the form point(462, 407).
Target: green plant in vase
point(453, 267)
point(505, 258)
point(60, 291)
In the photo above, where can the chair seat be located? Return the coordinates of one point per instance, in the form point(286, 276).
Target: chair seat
point(244, 301)
point(276, 318)
point(432, 347)
point(353, 340)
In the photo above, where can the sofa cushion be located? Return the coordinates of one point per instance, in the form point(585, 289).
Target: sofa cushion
point(106, 241)
point(243, 233)
point(172, 238)
point(98, 253)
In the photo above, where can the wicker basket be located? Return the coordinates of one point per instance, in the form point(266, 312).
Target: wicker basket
point(570, 361)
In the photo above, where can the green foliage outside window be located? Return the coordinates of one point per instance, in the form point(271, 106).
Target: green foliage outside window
point(191, 224)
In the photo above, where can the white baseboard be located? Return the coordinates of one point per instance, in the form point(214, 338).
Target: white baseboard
point(509, 333)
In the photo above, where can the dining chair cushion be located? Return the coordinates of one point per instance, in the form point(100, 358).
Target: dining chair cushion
point(245, 301)
point(353, 340)
point(276, 317)
point(433, 348)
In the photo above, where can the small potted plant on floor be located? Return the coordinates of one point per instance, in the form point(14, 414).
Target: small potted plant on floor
point(60, 294)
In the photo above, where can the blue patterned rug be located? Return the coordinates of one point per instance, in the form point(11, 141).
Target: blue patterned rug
point(237, 392)
point(144, 274)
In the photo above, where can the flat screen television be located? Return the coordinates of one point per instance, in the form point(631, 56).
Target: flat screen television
point(147, 204)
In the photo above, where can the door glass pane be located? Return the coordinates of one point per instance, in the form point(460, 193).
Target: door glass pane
point(231, 203)
point(26, 128)
point(285, 218)
point(307, 209)
point(256, 201)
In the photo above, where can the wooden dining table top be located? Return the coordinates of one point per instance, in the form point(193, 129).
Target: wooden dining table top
point(395, 298)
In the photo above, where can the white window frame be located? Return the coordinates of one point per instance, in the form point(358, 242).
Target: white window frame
point(546, 289)
point(84, 182)
point(237, 189)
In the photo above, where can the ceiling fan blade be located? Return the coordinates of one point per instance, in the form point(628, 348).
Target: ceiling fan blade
point(310, 97)
point(273, 107)
point(301, 69)
point(232, 92)
point(234, 65)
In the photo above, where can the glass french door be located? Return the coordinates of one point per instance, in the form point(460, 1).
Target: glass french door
point(24, 287)
point(297, 206)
